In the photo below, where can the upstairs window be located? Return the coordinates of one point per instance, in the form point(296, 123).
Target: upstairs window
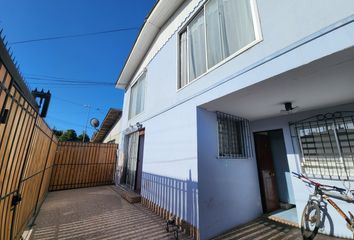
point(223, 28)
point(137, 96)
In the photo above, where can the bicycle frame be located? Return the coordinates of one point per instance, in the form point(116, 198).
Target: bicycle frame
point(322, 195)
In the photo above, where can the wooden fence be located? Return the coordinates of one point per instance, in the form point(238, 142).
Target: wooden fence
point(83, 165)
point(27, 149)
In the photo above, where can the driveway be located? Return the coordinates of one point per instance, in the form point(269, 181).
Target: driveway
point(94, 214)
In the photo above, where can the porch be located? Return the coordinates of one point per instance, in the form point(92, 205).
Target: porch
point(96, 213)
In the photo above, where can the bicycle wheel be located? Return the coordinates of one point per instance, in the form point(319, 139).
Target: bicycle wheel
point(310, 220)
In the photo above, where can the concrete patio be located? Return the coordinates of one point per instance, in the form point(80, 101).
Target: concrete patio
point(100, 213)
point(96, 213)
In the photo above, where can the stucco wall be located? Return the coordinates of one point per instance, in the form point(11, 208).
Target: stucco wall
point(114, 134)
point(170, 116)
point(228, 188)
point(334, 224)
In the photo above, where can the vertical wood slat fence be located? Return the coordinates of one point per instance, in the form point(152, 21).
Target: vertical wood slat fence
point(79, 165)
point(27, 148)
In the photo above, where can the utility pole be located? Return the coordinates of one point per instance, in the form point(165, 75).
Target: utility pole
point(88, 116)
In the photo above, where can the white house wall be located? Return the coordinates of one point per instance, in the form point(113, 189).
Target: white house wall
point(114, 133)
point(228, 188)
point(170, 116)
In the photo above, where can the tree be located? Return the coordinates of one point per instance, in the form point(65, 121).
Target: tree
point(80, 137)
point(68, 136)
point(57, 133)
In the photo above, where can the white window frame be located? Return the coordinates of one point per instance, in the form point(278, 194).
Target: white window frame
point(258, 39)
point(139, 77)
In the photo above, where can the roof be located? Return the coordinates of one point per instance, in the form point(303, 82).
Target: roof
point(108, 123)
point(158, 16)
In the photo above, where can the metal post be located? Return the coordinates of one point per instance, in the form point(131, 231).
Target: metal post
point(87, 120)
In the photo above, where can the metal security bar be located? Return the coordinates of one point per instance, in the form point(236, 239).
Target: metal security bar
point(326, 145)
point(234, 136)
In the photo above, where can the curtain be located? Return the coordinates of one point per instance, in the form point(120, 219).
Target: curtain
point(196, 43)
point(237, 25)
point(137, 97)
point(133, 98)
point(229, 27)
point(132, 158)
point(213, 33)
point(183, 59)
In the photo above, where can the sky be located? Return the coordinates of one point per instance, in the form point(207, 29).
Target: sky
point(96, 58)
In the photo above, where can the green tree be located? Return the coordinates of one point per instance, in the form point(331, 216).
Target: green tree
point(68, 136)
point(80, 137)
point(57, 133)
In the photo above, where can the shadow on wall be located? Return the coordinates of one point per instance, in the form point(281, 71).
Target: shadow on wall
point(179, 197)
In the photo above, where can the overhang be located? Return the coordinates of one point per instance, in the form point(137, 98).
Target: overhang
point(159, 15)
point(111, 118)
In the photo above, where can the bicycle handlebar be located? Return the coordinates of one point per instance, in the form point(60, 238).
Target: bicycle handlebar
point(317, 184)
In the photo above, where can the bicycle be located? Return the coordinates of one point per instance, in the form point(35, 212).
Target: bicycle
point(311, 216)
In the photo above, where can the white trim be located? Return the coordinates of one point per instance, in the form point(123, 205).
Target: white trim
point(132, 83)
point(140, 76)
point(257, 34)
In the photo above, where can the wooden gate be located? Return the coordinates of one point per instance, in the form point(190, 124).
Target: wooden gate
point(83, 165)
point(27, 149)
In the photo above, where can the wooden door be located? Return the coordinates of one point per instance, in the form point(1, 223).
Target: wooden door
point(266, 172)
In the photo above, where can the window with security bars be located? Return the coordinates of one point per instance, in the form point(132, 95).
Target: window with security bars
point(234, 137)
point(326, 144)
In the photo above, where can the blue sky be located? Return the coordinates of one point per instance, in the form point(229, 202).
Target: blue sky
point(97, 58)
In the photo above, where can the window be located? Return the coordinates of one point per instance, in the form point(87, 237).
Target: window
point(137, 95)
point(234, 139)
point(221, 29)
point(326, 145)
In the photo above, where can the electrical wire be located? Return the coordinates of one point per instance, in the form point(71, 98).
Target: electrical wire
point(74, 35)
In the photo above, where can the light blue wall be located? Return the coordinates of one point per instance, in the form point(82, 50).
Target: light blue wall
point(334, 224)
point(170, 117)
point(282, 173)
point(228, 188)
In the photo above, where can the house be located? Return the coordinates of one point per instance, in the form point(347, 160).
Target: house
point(109, 131)
point(225, 98)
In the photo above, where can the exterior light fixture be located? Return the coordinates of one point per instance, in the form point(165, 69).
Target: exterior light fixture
point(139, 125)
point(288, 107)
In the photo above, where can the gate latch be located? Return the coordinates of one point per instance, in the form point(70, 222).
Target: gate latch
point(3, 116)
point(16, 199)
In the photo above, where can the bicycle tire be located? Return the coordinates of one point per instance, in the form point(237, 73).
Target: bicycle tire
point(310, 227)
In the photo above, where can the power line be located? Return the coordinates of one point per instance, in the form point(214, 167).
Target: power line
point(74, 35)
point(69, 81)
point(97, 108)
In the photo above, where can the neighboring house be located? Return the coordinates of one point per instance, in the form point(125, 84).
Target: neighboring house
point(109, 131)
point(203, 133)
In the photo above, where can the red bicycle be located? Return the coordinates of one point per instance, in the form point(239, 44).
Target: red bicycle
point(311, 216)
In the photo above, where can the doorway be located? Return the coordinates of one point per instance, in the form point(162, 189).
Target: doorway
point(134, 163)
point(273, 170)
point(139, 171)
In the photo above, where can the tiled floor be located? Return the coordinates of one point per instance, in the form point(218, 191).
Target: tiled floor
point(265, 229)
point(94, 214)
point(100, 213)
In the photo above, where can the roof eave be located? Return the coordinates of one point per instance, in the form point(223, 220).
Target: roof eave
point(152, 25)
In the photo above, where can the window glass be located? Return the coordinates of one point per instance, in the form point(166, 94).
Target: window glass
point(196, 45)
point(236, 24)
point(226, 28)
point(233, 136)
point(137, 97)
point(183, 59)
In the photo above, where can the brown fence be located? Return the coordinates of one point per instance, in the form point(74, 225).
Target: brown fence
point(27, 151)
point(83, 165)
